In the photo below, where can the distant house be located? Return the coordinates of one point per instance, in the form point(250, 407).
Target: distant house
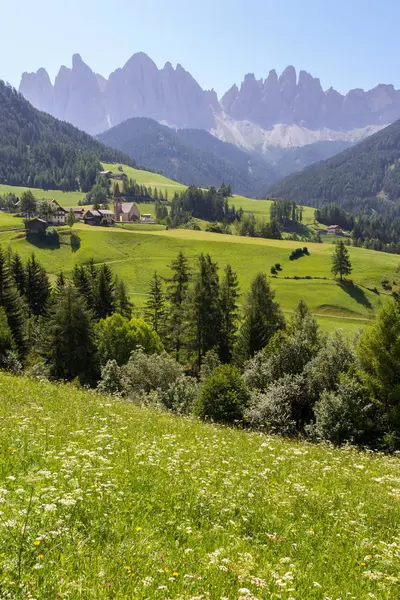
point(99, 216)
point(126, 212)
point(60, 214)
point(334, 230)
point(147, 218)
point(78, 212)
point(110, 175)
point(36, 225)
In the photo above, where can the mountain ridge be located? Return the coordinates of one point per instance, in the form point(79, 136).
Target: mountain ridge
point(174, 98)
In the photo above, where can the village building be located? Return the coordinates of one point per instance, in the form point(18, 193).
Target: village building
point(36, 225)
point(99, 216)
point(334, 230)
point(115, 176)
point(126, 212)
point(147, 218)
point(79, 212)
point(59, 216)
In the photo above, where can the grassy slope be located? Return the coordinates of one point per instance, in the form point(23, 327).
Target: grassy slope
point(123, 502)
point(135, 254)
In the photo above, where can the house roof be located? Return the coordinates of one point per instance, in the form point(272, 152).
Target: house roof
point(126, 207)
point(334, 227)
point(58, 206)
point(35, 220)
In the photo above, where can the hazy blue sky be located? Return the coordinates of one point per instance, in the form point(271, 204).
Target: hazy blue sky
point(347, 43)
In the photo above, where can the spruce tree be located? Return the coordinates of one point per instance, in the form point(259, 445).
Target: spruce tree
point(205, 314)
point(37, 287)
point(262, 318)
point(177, 295)
point(229, 313)
point(69, 342)
point(83, 282)
point(104, 293)
point(341, 264)
point(123, 306)
point(155, 306)
point(12, 303)
point(18, 273)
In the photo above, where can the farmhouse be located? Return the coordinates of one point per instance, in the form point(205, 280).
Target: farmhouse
point(126, 212)
point(116, 176)
point(59, 215)
point(146, 218)
point(35, 225)
point(78, 212)
point(334, 230)
point(99, 216)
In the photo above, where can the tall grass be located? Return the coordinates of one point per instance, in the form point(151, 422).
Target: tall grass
point(102, 499)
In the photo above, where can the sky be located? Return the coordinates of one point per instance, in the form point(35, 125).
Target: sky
point(346, 43)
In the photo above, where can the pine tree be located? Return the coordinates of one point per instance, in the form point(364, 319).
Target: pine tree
point(83, 282)
point(123, 306)
point(60, 284)
point(229, 309)
point(12, 303)
point(154, 311)
point(177, 295)
point(104, 293)
point(69, 342)
point(262, 318)
point(18, 273)
point(341, 261)
point(205, 314)
point(37, 287)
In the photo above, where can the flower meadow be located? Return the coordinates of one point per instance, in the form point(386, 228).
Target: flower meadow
point(100, 498)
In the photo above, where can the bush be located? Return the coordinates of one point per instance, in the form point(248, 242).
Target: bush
point(111, 379)
point(145, 374)
point(298, 253)
point(223, 396)
point(344, 416)
point(283, 408)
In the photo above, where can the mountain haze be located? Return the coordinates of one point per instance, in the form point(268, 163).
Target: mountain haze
point(191, 156)
point(366, 175)
point(287, 111)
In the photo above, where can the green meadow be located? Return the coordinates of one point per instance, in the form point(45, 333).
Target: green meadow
point(135, 253)
point(103, 499)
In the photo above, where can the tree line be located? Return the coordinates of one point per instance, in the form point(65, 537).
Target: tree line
point(37, 150)
point(194, 351)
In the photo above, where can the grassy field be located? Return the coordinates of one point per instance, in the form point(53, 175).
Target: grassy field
point(66, 199)
point(103, 499)
point(135, 254)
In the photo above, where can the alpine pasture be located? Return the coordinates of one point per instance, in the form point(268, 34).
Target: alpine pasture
point(136, 251)
point(103, 499)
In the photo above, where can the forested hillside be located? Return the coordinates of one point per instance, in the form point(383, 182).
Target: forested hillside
point(364, 176)
point(38, 150)
point(191, 156)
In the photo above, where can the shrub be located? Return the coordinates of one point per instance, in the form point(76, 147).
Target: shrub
point(223, 396)
point(344, 415)
point(158, 373)
point(111, 379)
point(182, 395)
point(298, 253)
point(283, 408)
point(273, 271)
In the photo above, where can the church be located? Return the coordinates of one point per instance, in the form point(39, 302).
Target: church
point(125, 212)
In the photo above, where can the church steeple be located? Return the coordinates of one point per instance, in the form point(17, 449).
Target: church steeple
point(117, 203)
